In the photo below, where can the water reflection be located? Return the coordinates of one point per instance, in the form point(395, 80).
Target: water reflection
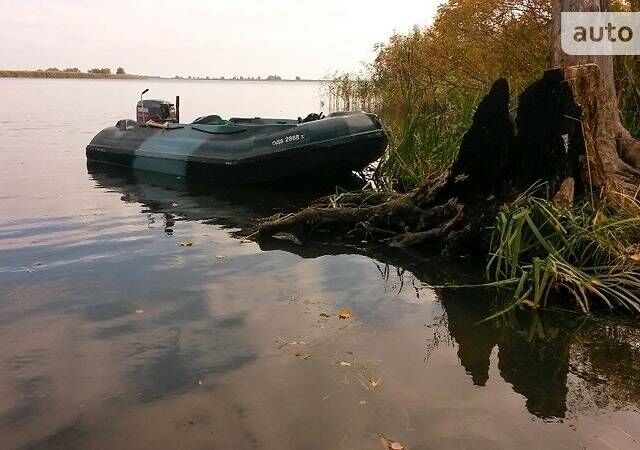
point(560, 363)
point(232, 206)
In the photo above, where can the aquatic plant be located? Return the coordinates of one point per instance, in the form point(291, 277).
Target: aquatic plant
point(588, 253)
point(425, 143)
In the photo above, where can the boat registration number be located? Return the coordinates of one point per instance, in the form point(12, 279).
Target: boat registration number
point(287, 139)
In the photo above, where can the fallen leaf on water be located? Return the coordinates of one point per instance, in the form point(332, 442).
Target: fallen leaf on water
point(345, 314)
point(363, 402)
point(186, 244)
point(220, 257)
point(345, 363)
point(139, 311)
point(391, 444)
point(375, 383)
point(307, 357)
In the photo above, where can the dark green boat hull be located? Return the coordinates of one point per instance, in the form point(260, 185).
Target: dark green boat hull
point(247, 150)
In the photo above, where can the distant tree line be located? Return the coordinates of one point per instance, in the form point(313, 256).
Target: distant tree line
point(102, 71)
point(236, 78)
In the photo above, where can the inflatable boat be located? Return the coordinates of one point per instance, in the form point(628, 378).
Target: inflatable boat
point(241, 150)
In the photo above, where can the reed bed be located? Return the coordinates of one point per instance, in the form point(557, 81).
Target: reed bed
point(588, 254)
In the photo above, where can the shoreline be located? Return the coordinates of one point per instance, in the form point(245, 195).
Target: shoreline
point(49, 75)
point(102, 76)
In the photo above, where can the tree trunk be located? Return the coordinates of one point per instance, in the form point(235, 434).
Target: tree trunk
point(616, 144)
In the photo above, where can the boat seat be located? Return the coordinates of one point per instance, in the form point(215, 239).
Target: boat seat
point(126, 124)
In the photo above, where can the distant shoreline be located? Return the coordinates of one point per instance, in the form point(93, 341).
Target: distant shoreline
point(62, 74)
point(43, 74)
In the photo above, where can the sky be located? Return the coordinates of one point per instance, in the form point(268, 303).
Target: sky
point(307, 38)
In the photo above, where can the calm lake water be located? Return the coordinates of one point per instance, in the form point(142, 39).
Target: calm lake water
point(112, 335)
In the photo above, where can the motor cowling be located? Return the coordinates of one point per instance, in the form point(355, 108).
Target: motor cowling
point(159, 111)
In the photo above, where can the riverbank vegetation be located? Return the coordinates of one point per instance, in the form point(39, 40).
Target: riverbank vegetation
point(461, 162)
point(425, 84)
point(590, 251)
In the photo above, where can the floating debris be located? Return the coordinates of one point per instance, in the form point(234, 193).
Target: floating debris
point(345, 314)
point(375, 383)
point(186, 244)
point(390, 443)
point(139, 311)
point(36, 265)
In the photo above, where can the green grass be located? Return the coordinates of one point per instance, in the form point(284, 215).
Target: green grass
point(627, 76)
point(425, 128)
point(424, 144)
point(587, 254)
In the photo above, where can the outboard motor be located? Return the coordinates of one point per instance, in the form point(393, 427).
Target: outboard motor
point(156, 110)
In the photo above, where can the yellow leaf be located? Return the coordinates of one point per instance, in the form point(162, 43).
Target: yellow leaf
point(186, 244)
point(635, 256)
point(375, 383)
point(391, 444)
point(530, 304)
point(599, 218)
point(345, 314)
